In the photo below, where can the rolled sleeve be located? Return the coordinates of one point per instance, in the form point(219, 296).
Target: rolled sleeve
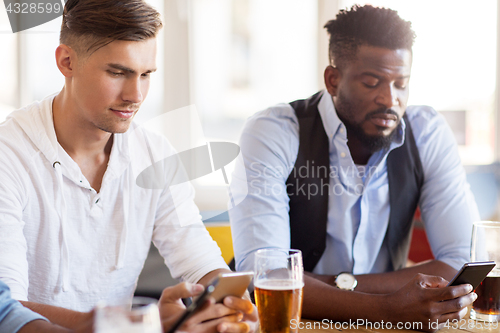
point(13, 316)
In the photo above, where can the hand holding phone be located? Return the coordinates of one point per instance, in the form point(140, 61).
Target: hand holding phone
point(194, 306)
point(472, 273)
point(225, 284)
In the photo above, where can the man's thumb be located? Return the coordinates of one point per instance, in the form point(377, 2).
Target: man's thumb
point(181, 290)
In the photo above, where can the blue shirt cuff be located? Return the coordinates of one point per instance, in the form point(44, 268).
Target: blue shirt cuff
point(17, 318)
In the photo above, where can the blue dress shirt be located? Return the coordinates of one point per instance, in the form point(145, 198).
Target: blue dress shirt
point(358, 213)
point(13, 316)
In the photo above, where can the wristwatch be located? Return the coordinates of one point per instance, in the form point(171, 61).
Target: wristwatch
point(346, 281)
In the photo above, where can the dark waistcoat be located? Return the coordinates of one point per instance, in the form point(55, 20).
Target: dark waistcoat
point(308, 214)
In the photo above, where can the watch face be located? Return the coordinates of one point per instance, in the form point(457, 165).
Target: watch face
point(346, 281)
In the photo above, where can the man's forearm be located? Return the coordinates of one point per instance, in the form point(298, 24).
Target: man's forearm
point(57, 315)
point(389, 282)
point(323, 301)
point(384, 283)
point(425, 300)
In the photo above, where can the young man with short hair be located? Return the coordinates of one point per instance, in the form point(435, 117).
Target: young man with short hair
point(340, 174)
point(75, 228)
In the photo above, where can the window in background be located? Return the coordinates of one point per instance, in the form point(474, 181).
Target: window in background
point(39, 74)
point(247, 55)
point(454, 66)
point(29, 72)
point(9, 83)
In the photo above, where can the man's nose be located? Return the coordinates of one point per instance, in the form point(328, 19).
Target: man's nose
point(132, 91)
point(388, 97)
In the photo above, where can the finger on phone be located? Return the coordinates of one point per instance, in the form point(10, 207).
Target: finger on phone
point(212, 311)
point(238, 304)
point(431, 281)
point(453, 292)
point(214, 325)
point(454, 316)
point(181, 290)
point(238, 327)
point(457, 305)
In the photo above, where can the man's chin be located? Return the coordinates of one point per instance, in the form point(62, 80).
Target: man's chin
point(121, 128)
point(379, 141)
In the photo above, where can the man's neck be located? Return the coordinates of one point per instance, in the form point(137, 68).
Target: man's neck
point(87, 145)
point(359, 152)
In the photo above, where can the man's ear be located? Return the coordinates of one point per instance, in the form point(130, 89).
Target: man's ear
point(332, 77)
point(66, 59)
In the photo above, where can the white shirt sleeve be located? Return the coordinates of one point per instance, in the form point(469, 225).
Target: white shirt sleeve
point(181, 237)
point(13, 248)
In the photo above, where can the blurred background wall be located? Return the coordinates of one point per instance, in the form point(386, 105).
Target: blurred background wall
point(231, 58)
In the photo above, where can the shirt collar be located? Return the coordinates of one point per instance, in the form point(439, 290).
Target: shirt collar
point(328, 114)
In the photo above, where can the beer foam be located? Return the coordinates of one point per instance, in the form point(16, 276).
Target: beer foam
point(279, 284)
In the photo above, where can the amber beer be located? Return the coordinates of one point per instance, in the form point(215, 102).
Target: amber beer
point(278, 302)
point(487, 304)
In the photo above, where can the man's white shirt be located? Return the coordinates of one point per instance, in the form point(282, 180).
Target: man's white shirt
point(64, 244)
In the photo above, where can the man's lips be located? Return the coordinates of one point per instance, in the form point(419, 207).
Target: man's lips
point(387, 120)
point(124, 113)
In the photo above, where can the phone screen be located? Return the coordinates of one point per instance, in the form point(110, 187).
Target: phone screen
point(472, 273)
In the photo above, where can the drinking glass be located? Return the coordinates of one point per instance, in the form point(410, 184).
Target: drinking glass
point(278, 285)
point(141, 316)
point(486, 246)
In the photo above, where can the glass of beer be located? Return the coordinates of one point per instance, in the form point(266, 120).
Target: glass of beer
point(485, 247)
point(278, 289)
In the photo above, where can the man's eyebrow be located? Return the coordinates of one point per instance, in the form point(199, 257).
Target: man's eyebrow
point(379, 77)
point(129, 70)
point(371, 74)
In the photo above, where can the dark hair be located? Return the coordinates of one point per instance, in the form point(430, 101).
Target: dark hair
point(91, 24)
point(367, 25)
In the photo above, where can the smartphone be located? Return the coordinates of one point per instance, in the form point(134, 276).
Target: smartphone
point(231, 284)
point(225, 284)
point(194, 306)
point(472, 273)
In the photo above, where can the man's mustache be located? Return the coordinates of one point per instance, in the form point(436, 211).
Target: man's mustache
point(127, 106)
point(381, 112)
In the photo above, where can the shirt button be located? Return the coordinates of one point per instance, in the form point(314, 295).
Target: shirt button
point(341, 130)
point(342, 154)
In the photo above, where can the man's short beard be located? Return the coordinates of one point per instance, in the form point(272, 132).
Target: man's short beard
point(374, 143)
